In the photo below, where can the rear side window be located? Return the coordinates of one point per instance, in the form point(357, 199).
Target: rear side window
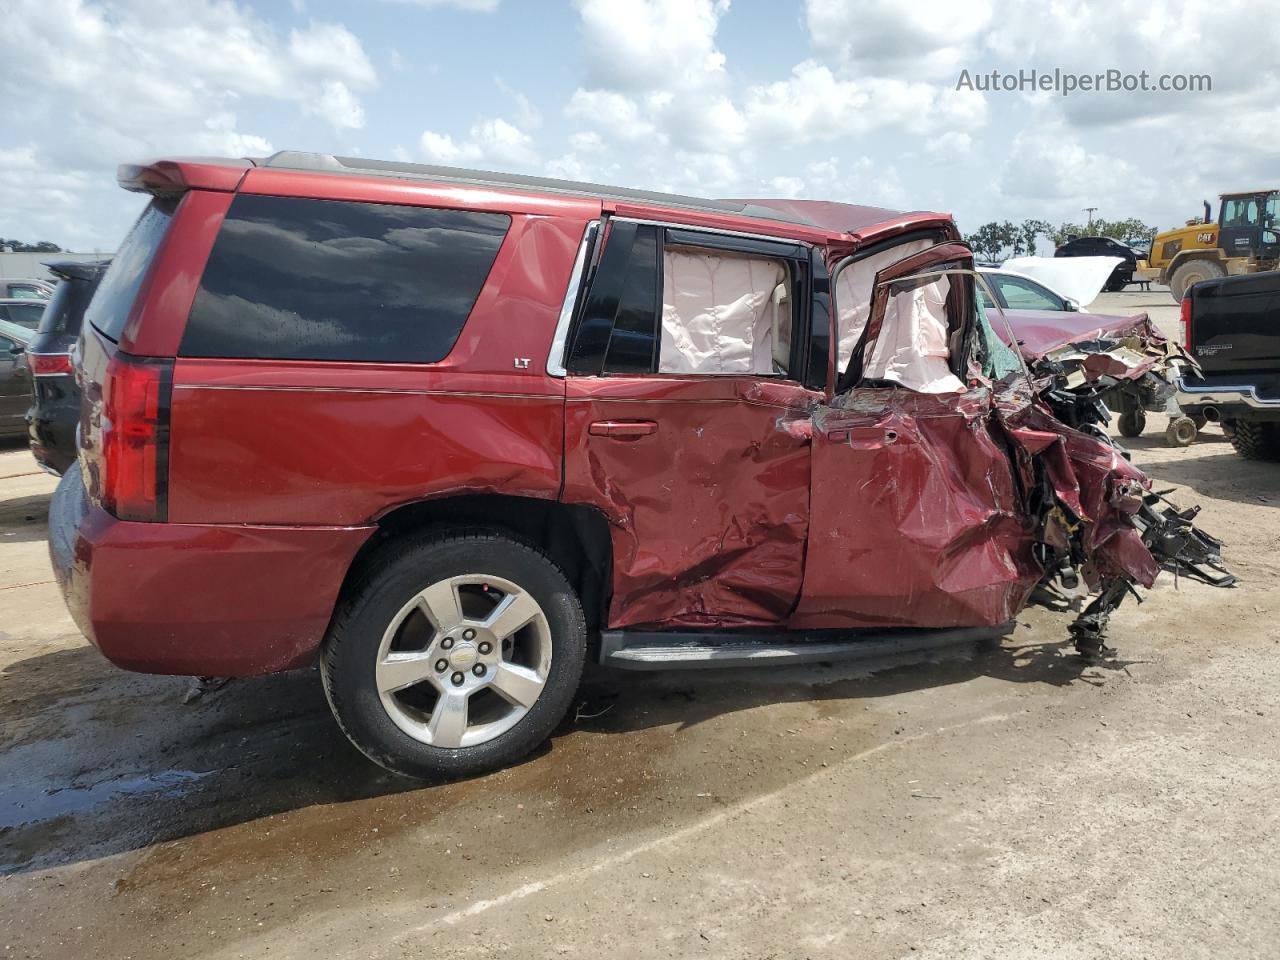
point(110, 307)
point(67, 307)
point(27, 315)
point(298, 279)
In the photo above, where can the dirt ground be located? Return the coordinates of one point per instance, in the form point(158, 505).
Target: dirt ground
point(1008, 801)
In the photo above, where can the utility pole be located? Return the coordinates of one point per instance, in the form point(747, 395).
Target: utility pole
point(1089, 210)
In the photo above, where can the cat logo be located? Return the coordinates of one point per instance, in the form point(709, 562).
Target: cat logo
point(1204, 238)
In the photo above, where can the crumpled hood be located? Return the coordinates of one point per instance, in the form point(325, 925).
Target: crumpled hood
point(1040, 332)
point(1080, 278)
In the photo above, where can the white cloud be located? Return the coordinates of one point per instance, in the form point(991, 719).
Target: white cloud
point(644, 45)
point(473, 6)
point(923, 38)
point(492, 141)
point(617, 114)
point(100, 85)
point(813, 104)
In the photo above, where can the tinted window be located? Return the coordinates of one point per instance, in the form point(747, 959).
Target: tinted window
point(291, 278)
point(22, 291)
point(66, 307)
point(633, 340)
point(119, 288)
point(28, 315)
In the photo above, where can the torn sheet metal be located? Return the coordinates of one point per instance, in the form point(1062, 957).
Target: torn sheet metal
point(1078, 278)
point(918, 520)
point(1093, 362)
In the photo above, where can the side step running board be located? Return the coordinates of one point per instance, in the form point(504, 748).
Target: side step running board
point(655, 650)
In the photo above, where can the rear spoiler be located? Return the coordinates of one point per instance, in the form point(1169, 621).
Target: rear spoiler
point(168, 177)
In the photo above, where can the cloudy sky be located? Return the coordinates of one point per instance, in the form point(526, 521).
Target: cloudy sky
point(837, 99)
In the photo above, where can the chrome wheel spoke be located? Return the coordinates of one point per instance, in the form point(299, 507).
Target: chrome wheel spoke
point(519, 686)
point(440, 604)
point(401, 670)
point(514, 611)
point(448, 721)
point(465, 655)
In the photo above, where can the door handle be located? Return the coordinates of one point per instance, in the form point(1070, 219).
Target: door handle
point(623, 429)
point(863, 436)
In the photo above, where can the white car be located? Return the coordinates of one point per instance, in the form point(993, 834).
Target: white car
point(1017, 291)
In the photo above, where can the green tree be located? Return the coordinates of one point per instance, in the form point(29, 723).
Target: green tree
point(17, 246)
point(1033, 230)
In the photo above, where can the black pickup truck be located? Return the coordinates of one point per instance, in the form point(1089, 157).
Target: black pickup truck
point(1231, 326)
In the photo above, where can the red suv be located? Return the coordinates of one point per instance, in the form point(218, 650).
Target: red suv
point(447, 431)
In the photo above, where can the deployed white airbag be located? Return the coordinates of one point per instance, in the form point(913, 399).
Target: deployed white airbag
point(1079, 278)
point(721, 313)
point(853, 295)
point(912, 347)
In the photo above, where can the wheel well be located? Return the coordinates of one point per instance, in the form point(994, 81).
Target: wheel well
point(575, 537)
point(1186, 256)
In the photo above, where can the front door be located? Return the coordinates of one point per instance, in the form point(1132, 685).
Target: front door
point(687, 423)
point(915, 517)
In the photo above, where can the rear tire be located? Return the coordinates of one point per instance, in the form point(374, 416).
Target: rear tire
point(453, 655)
point(1193, 271)
point(1132, 423)
point(1255, 441)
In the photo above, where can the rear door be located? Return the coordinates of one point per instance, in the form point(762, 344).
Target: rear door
point(915, 513)
point(691, 374)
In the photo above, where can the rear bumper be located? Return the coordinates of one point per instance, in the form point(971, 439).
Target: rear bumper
point(1228, 401)
point(198, 599)
point(51, 431)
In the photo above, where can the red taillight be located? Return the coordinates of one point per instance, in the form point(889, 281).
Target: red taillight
point(135, 437)
point(50, 364)
point(1186, 321)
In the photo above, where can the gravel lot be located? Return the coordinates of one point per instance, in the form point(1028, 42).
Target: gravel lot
point(1003, 802)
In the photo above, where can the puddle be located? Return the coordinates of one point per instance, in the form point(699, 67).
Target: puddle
point(22, 804)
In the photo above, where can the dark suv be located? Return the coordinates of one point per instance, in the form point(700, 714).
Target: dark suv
point(55, 398)
point(1104, 247)
point(448, 431)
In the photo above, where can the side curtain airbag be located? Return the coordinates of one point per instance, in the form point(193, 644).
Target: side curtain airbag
point(720, 312)
point(912, 347)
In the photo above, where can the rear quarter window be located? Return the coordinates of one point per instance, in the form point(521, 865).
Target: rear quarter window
point(119, 288)
point(299, 279)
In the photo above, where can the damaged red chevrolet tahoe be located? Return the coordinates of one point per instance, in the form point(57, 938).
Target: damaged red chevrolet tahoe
point(452, 432)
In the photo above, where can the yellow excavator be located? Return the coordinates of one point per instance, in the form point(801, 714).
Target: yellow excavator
point(1246, 239)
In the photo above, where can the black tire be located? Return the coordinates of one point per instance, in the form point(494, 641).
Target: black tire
point(1193, 271)
point(1132, 422)
point(1256, 441)
point(1181, 432)
point(387, 582)
point(1199, 419)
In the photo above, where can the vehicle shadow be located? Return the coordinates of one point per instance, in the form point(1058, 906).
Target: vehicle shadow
point(24, 519)
point(1212, 469)
point(95, 761)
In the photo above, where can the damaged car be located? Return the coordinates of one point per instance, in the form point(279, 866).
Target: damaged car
point(1121, 362)
point(449, 433)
